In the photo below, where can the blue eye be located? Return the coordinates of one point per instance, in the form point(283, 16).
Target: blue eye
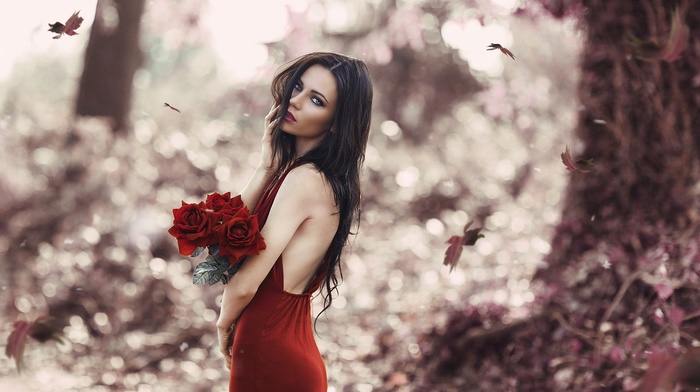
point(315, 100)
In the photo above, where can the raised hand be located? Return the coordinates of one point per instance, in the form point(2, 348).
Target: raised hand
point(271, 121)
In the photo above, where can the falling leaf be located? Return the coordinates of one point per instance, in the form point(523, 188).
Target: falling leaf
point(167, 105)
point(502, 49)
point(672, 47)
point(454, 251)
point(16, 342)
point(42, 330)
point(471, 236)
point(582, 165)
point(69, 28)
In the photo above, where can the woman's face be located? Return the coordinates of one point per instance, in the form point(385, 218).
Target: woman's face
point(311, 107)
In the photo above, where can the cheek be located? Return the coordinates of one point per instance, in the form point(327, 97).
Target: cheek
point(318, 123)
point(325, 121)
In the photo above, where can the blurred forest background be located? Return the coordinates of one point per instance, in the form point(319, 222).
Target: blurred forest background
point(585, 279)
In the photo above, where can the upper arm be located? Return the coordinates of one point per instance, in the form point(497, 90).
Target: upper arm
point(301, 190)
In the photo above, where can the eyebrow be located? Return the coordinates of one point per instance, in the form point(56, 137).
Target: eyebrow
point(322, 96)
point(315, 91)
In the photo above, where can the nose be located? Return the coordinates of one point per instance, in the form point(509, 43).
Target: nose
point(295, 101)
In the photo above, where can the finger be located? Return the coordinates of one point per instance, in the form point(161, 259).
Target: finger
point(272, 113)
point(269, 129)
point(227, 360)
point(271, 125)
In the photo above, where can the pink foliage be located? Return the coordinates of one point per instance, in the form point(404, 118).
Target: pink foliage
point(676, 315)
point(664, 290)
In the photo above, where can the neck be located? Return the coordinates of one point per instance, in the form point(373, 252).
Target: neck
point(303, 146)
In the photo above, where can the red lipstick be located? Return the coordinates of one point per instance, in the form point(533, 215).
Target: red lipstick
point(290, 118)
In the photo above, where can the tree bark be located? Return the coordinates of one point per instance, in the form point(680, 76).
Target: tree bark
point(639, 123)
point(623, 276)
point(111, 60)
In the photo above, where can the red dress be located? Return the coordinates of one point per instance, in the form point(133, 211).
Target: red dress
point(274, 349)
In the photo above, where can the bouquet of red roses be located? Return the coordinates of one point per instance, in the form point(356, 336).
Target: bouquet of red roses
point(224, 226)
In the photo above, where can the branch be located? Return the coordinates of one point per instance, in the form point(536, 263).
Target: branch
point(494, 332)
point(618, 298)
point(623, 289)
point(580, 333)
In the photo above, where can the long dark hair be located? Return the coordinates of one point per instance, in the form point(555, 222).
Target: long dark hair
point(340, 155)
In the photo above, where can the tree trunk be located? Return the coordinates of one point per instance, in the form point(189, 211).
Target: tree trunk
point(639, 123)
point(111, 59)
point(622, 279)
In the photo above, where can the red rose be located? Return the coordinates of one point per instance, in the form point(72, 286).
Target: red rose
point(224, 204)
point(217, 201)
point(239, 236)
point(193, 227)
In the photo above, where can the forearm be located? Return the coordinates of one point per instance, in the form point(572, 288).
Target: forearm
point(232, 304)
point(253, 190)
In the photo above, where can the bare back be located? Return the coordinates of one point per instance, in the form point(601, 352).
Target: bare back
point(306, 249)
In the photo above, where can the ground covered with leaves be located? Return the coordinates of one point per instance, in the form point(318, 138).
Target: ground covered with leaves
point(84, 218)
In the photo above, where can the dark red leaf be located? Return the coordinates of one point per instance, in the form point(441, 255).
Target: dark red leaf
point(502, 49)
point(678, 37)
point(471, 236)
point(167, 105)
point(453, 251)
point(456, 242)
point(581, 165)
point(672, 46)
point(44, 329)
point(69, 28)
point(16, 342)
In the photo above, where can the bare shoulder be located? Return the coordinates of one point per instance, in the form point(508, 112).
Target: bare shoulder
point(306, 183)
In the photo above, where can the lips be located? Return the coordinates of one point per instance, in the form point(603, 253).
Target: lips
point(290, 118)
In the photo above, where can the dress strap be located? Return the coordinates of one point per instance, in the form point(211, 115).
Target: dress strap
point(262, 210)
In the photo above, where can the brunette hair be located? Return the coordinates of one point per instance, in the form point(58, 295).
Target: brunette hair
point(340, 154)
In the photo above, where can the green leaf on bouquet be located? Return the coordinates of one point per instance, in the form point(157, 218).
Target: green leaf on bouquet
point(198, 251)
point(208, 272)
point(214, 269)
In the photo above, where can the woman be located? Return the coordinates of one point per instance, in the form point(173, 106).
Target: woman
point(306, 193)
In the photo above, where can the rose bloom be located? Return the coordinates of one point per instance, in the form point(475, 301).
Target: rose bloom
point(193, 227)
point(239, 236)
point(224, 204)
